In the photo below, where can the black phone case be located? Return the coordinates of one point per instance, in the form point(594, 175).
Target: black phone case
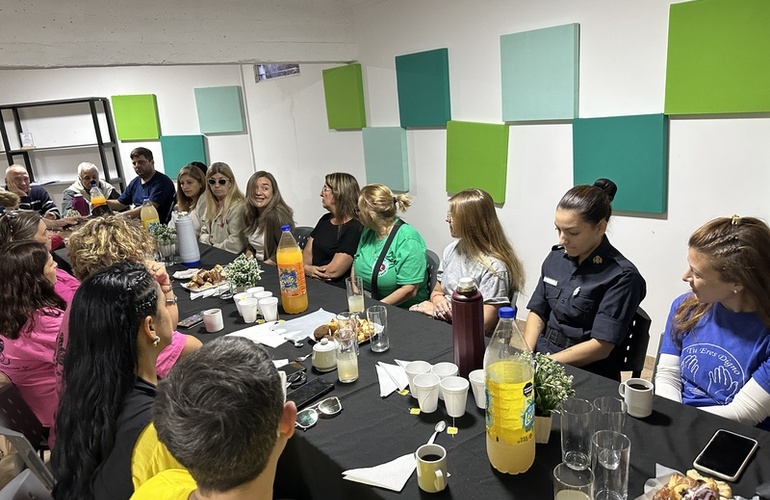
point(190, 321)
point(309, 392)
point(293, 367)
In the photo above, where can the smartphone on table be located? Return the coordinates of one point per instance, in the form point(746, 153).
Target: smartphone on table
point(726, 455)
point(190, 321)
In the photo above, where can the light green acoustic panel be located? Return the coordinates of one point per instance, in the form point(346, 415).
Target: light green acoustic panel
point(344, 94)
point(477, 156)
point(540, 74)
point(385, 155)
point(179, 150)
point(220, 110)
point(136, 117)
point(423, 88)
point(632, 151)
point(718, 57)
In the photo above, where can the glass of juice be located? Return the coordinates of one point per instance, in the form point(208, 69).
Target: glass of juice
point(355, 289)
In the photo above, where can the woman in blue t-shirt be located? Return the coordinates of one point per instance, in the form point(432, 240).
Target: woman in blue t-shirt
point(716, 348)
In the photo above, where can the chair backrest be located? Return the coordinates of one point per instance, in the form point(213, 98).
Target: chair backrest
point(433, 263)
point(17, 416)
point(27, 452)
point(301, 234)
point(634, 348)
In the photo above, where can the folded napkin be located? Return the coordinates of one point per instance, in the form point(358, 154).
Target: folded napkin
point(391, 377)
point(392, 475)
point(261, 334)
point(662, 475)
point(214, 291)
point(300, 328)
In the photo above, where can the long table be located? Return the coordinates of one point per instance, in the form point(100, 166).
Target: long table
point(373, 430)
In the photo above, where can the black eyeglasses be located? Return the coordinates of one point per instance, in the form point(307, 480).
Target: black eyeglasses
point(221, 182)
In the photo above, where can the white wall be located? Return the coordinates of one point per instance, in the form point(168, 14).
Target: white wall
point(717, 166)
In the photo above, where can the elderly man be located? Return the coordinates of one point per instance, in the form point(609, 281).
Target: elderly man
point(87, 173)
point(222, 414)
point(32, 197)
point(155, 185)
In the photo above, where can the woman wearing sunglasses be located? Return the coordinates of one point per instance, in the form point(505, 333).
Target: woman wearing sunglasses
point(222, 224)
point(191, 194)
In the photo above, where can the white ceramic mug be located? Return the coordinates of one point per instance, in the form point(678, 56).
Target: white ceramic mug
point(638, 394)
point(212, 318)
point(431, 468)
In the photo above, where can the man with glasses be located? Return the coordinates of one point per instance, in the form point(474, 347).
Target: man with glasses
point(31, 197)
point(155, 185)
point(222, 414)
point(87, 173)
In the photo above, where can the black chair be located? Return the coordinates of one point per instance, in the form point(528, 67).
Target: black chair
point(34, 463)
point(433, 263)
point(634, 349)
point(301, 234)
point(17, 416)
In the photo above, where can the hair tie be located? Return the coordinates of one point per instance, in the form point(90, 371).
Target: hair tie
point(395, 200)
point(735, 220)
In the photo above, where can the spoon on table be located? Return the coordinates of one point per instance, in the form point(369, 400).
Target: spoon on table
point(440, 426)
point(303, 358)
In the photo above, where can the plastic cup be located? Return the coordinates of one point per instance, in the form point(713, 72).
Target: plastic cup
point(259, 296)
point(412, 370)
point(479, 386)
point(255, 289)
point(455, 391)
point(249, 309)
point(269, 308)
point(427, 386)
point(212, 319)
point(237, 298)
point(443, 370)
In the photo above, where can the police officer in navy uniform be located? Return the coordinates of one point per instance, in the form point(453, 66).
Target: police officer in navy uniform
point(588, 292)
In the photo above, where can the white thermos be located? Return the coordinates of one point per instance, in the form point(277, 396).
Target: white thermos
point(188, 243)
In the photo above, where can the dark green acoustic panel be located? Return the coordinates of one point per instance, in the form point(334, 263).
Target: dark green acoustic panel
point(423, 88)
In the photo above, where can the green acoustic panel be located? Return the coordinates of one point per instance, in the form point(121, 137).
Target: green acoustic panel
point(344, 94)
point(136, 117)
point(630, 150)
point(540, 73)
point(477, 156)
point(220, 109)
point(179, 150)
point(386, 158)
point(718, 57)
point(423, 88)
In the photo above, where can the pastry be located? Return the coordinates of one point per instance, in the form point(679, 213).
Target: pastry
point(681, 487)
point(722, 487)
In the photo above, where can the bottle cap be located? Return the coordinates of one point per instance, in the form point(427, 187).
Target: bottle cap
point(466, 285)
point(505, 312)
point(286, 227)
point(145, 198)
point(93, 183)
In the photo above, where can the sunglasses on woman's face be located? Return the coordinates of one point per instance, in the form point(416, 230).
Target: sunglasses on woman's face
point(221, 182)
point(308, 417)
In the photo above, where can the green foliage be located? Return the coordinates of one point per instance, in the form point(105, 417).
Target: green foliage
point(243, 271)
point(552, 385)
point(163, 235)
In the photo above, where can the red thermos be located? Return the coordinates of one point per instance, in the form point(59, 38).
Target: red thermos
point(468, 326)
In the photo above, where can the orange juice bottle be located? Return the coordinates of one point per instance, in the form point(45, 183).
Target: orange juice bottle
point(291, 273)
point(98, 201)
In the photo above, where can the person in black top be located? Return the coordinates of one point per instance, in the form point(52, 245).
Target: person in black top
point(119, 322)
point(588, 292)
point(330, 248)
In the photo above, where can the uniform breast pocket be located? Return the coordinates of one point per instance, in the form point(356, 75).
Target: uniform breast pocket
point(586, 305)
point(552, 293)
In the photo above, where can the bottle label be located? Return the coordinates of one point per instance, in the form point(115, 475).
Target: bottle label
point(149, 225)
point(510, 405)
point(292, 279)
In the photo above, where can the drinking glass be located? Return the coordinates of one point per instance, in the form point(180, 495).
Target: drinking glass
point(355, 288)
point(571, 484)
point(378, 317)
point(610, 413)
point(577, 427)
point(610, 460)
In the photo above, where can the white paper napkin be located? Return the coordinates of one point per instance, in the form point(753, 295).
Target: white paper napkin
point(392, 475)
point(300, 328)
point(662, 475)
point(391, 378)
point(261, 334)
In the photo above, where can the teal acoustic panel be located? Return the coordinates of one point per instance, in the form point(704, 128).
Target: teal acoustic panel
point(179, 150)
point(385, 155)
point(477, 156)
point(630, 150)
point(540, 74)
point(220, 109)
point(423, 88)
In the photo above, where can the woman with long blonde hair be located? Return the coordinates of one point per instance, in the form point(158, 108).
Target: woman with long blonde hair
point(222, 224)
point(716, 348)
point(401, 279)
point(482, 252)
point(264, 214)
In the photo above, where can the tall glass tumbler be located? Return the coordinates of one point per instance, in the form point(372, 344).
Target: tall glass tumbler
point(577, 427)
point(570, 484)
point(378, 317)
point(610, 413)
point(611, 452)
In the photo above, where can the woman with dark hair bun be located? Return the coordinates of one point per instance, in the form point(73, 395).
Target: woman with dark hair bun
point(588, 292)
point(119, 322)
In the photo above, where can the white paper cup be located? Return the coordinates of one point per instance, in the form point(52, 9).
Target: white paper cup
point(455, 391)
point(269, 308)
point(261, 295)
point(427, 387)
point(249, 309)
point(413, 369)
point(212, 318)
point(443, 370)
point(478, 384)
point(255, 289)
point(237, 299)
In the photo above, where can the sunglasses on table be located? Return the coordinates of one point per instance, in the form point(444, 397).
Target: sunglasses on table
point(308, 417)
point(221, 182)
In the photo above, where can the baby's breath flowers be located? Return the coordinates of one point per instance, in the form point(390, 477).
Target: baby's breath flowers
point(552, 385)
point(243, 271)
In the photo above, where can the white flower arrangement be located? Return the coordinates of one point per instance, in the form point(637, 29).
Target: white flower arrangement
point(243, 271)
point(552, 385)
point(163, 235)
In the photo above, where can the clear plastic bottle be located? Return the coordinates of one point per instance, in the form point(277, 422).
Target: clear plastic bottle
point(149, 214)
point(509, 370)
point(291, 273)
point(98, 201)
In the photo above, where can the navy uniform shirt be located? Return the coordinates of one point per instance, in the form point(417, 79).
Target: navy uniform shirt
point(596, 299)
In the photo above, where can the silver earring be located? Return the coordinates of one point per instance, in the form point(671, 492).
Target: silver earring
point(156, 341)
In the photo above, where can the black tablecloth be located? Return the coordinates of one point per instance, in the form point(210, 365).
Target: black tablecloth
point(372, 430)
